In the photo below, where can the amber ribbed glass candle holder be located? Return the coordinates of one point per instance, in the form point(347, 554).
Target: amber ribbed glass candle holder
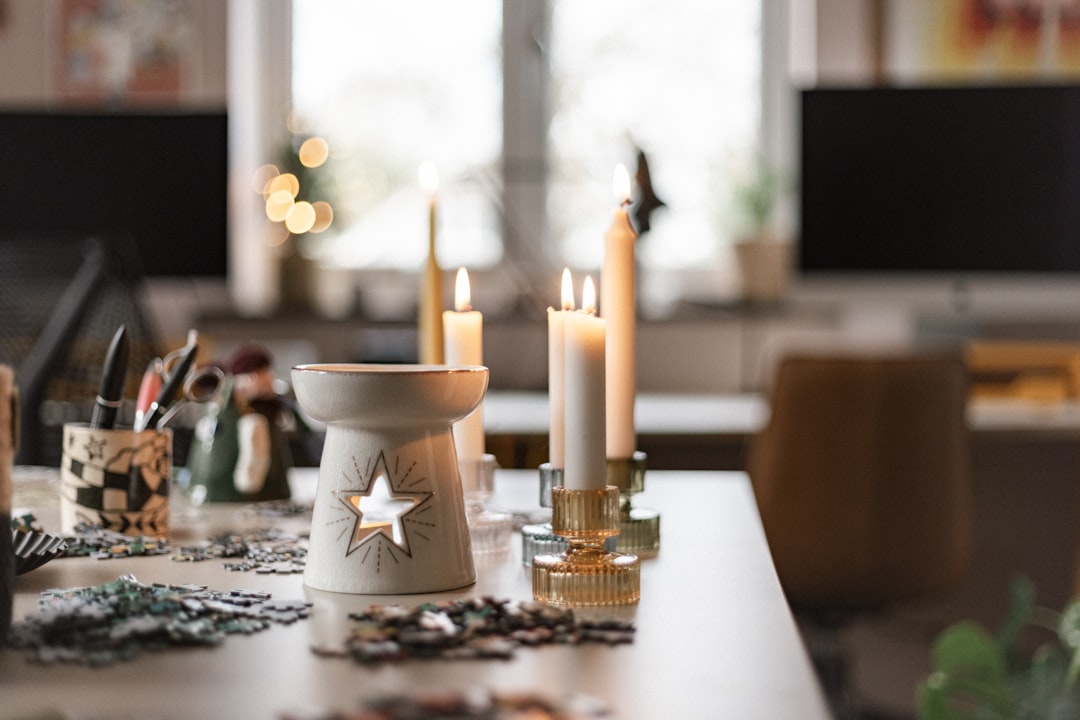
point(586, 573)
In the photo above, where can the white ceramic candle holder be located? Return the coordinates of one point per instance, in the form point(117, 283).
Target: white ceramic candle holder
point(388, 436)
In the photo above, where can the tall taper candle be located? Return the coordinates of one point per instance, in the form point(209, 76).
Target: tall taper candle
point(429, 322)
point(586, 459)
point(557, 373)
point(463, 333)
point(617, 307)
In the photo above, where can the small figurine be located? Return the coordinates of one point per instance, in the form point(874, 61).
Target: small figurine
point(240, 450)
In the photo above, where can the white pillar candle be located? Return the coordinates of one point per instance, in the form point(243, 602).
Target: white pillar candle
point(557, 374)
point(429, 328)
point(463, 334)
point(618, 309)
point(586, 457)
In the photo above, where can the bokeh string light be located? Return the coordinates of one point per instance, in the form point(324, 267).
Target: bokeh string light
point(283, 192)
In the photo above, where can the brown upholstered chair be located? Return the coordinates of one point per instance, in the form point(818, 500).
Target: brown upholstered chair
point(863, 479)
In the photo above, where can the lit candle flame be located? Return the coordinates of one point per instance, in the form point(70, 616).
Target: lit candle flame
point(588, 296)
point(462, 292)
point(620, 185)
point(567, 290)
point(429, 179)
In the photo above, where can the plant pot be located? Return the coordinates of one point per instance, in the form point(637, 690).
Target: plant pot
point(764, 269)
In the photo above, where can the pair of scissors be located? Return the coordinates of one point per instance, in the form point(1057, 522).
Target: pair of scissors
point(164, 376)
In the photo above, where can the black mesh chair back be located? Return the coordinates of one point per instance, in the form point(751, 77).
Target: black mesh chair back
point(61, 301)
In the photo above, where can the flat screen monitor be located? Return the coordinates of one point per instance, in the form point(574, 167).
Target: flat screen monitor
point(940, 180)
point(158, 178)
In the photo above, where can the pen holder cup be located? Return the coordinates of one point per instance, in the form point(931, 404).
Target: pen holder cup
point(389, 513)
point(117, 479)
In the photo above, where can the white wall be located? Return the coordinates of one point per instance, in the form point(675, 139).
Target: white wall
point(844, 41)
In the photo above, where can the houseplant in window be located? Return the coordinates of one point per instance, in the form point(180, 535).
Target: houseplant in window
point(762, 252)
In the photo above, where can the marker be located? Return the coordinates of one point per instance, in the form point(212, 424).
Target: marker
point(148, 389)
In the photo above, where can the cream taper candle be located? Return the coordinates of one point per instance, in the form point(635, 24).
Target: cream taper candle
point(429, 323)
point(586, 458)
point(557, 373)
point(618, 309)
point(463, 336)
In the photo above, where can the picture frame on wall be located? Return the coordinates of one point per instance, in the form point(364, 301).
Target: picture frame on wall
point(125, 52)
point(1007, 40)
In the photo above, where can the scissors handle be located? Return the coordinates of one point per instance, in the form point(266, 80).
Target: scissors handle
point(204, 385)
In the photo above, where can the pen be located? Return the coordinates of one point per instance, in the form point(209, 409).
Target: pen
point(169, 389)
point(111, 392)
point(148, 389)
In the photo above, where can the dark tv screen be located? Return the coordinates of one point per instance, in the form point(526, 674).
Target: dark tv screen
point(977, 179)
point(159, 179)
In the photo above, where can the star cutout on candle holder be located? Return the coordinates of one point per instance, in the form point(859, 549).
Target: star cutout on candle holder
point(396, 504)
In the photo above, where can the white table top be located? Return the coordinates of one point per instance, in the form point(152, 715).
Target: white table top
point(714, 635)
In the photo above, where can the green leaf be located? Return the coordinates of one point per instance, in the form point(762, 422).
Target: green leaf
point(966, 649)
point(1069, 634)
point(934, 700)
point(1038, 688)
point(945, 697)
point(1069, 626)
point(1022, 600)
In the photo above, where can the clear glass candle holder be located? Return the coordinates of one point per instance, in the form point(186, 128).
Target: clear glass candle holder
point(489, 529)
point(639, 528)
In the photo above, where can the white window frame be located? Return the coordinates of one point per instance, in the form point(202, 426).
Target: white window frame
point(260, 88)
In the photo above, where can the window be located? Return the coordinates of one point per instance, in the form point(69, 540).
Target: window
point(392, 85)
point(679, 79)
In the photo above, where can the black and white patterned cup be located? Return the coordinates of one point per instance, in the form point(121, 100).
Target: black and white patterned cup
point(117, 479)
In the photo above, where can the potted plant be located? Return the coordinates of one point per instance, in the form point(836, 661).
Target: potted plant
point(980, 676)
point(762, 253)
